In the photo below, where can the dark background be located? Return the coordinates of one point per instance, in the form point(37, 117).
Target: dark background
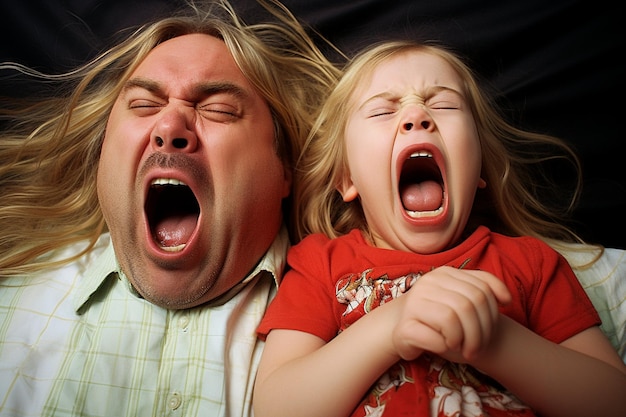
point(558, 64)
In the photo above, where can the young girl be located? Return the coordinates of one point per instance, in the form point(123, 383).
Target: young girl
point(426, 285)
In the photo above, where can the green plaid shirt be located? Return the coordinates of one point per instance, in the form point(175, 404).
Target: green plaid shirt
point(78, 341)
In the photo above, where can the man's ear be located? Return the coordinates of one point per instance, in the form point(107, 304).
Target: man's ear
point(347, 189)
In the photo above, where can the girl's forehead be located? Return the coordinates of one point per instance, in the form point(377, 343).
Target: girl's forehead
point(410, 71)
point(413, 66)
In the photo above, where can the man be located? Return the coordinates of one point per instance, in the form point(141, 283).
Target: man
point(179, 143)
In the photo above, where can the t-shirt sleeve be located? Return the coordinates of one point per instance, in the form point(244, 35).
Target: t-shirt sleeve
point(557, 305)
point(305, 299)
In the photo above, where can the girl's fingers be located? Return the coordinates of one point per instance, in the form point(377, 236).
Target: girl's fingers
point(461, 306)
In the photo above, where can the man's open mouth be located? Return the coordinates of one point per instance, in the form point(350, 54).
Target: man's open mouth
point(421, 185)
point(172, 211)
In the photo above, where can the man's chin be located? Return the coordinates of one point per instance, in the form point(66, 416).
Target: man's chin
point(165, 285)
point(172, 297)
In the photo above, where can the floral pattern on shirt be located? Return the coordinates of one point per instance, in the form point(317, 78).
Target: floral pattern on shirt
point(430, 385)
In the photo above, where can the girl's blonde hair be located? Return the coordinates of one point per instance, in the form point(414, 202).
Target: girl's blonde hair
point(50, 149)
point(512, 203)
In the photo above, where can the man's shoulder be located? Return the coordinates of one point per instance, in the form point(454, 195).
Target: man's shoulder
point(44, 290)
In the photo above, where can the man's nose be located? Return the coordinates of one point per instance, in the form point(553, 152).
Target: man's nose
point(174, 131)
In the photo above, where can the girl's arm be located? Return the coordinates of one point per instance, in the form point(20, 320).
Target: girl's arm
point(583, 376)
point(300, 375)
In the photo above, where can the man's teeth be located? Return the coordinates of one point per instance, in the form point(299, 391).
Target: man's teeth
point(176, 248)
point(167, 181)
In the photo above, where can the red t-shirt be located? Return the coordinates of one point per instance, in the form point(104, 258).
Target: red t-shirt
point(331, 283)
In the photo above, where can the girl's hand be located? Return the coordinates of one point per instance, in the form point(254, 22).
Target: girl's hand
point(450, 312)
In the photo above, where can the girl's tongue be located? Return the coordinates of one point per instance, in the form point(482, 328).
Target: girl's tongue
point(423, 196)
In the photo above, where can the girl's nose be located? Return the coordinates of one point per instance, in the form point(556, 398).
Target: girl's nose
point(417, 119)
point(424, 124)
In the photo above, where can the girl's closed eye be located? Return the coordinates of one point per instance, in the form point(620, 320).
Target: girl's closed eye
point(444, 105)
point(381, 112)
point(379, 107)
point(445, 100)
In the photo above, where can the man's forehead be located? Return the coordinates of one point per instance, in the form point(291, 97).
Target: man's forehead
point(192, 53)
point(195, 62)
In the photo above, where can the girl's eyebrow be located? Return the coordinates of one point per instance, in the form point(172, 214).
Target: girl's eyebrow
point(200, 90)
point(433, 91)
point(385, 95)
point(439, 88)
point(429, 91)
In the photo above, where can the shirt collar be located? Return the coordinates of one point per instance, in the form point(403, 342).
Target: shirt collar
point(101, 262)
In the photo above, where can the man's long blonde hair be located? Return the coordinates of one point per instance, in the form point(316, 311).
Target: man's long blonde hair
point(49, 149)
point(512, 204)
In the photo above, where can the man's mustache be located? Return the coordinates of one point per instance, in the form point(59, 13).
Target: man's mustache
point(179, 161)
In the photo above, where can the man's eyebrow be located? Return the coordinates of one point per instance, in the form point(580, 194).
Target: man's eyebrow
point(211, 88)
point(200, 90)
point(144, 83)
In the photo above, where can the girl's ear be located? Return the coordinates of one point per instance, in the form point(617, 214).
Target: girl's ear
point(288, 182)
point(482, 183)
point(347, 189)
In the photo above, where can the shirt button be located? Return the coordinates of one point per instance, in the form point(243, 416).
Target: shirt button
point(174, 401)
point(183, 322)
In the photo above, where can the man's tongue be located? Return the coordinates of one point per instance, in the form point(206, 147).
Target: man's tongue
point(175, 230)
point(423, 196)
